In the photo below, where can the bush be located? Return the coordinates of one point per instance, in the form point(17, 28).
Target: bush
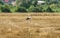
point(1, 3)
point(55, 8)
point(5, 8)
point(35, 9)
point(0, 8)
point(49, 10)
point(13, 8)
point(21, 9)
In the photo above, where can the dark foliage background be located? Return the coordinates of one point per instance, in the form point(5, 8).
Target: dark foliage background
point(31, 6)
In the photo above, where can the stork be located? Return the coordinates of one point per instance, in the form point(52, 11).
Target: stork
point(29, 19)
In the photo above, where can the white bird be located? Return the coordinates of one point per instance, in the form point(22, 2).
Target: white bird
point(28, 18)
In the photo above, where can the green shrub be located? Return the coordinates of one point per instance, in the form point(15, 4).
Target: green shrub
point(5, 8)
point(21, 9)
point(13, 8)
point(1, 3)
point(35, 9)
point(49, 10)
point(55, 8)
point(0, 8)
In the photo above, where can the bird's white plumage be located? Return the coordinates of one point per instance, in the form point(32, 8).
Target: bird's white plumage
point(29, 17)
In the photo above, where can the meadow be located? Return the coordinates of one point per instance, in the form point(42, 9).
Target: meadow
point(41, 25)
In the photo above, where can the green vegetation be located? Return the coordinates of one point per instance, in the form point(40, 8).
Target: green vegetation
point(31, 6)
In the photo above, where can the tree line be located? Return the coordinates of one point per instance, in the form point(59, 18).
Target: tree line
point(31, 6)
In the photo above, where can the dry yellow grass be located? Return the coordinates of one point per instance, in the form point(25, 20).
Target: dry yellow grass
point(42, 25)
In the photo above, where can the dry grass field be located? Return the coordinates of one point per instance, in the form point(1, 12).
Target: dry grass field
point(41, 25)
